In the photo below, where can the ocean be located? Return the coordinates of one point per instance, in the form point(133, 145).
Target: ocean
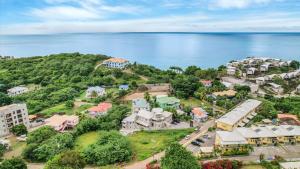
point(159, 49)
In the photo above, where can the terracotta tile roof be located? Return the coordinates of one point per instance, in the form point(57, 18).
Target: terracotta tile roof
point(290, 116)
point(102, 107)
point(206, 82)
point(117, 60)
point(57, 120)
point(198, 111)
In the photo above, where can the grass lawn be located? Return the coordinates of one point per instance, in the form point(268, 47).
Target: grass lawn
point(147, 143)
point(253, 167)
point(15, 149)
point(62, 108)
point(86, 139)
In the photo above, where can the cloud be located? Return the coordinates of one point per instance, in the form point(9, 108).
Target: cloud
point(197, 22)
point(239, 3)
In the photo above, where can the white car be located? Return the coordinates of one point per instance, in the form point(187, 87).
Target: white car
point(187, 137)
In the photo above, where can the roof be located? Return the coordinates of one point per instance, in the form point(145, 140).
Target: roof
point(95, 88)
point(116, 60)
point(239, 112)
point(290, 116)
point(124, 86)
point(102, 107)
point(225, 93)
point(274, 85)
point(255, 132)
point(290, 165)
point(57, 120)
point(17, 88)
point(206, 149)
point(11, 106)
point(140, 103)
point(145, 114)
point(130, 118)
point(167, 100)
point(206, 82)
point(199, 112)
point(228, 138)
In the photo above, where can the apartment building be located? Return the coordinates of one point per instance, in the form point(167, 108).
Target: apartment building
point(258, 136)
point(239, 116)
point(13, 115)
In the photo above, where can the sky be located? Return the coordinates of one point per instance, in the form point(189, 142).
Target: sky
point(88, 16)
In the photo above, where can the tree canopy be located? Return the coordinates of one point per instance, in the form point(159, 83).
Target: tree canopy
point(67, 160)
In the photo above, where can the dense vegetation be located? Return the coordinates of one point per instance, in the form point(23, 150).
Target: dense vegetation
point(66, 160)
point(177, 157)
point(111, 148)
point(14, 163)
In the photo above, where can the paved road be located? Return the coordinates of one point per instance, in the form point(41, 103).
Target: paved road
point(184, 142)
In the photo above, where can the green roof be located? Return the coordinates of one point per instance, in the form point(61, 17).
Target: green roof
point(167, 100)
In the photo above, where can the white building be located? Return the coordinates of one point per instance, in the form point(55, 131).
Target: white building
point(17, 90)
point(153, 120)
point(116, 63)
point(276, 88)
point(13, 115)
point(290, 165)
point(251, 71)
point(95, 91)
point(231, 70)
point(265, 67)
point(140, 104)
point(260, 80)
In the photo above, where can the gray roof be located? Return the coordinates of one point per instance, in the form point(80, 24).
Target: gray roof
point(140, 103)
point(130, 118)
point(96, 89)
point(239, 112)
point(229, 138)
point(145, 114)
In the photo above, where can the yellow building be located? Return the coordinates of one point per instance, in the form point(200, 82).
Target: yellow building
point(258, 136)
point(239, 116)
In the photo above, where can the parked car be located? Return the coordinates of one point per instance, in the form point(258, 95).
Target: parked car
point(187, 137)
point(22, 138)
point(200, 140)
point(195, 143)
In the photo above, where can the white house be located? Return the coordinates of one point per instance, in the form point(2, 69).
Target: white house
point(140, 104)
point(260, 80)
point(154, 120)
point(231, 70)
point(116, 63)
point(95, 91)
point(251, 71)
point(276, 88)
point(199, 115)
point(265, 67)
point(17, 90)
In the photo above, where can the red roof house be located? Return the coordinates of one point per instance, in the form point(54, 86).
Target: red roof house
point(206, 83)
point(100, 110)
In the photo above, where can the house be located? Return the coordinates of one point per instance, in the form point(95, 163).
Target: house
point(12, 115)
point(265, 67)
point(290, 165)
point(124, 87)
point(228, 84)
point(226, 93)
point(144, 119)
point(251, 71)
point(116, 63)
point(276, 88)
point(206, 83)
point(206, 151)
point(96, 91)
point(298, 89)
point(260, 80)
point(288, 119)
point(140, 104)
point(17, 90)
point(231, 70)
point(269, 77)
point(168, 102)
point(199, 115)
point(239, 116)
point(99, 110)
point(62, 122)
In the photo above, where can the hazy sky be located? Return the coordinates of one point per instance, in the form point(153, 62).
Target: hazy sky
point(69, 16)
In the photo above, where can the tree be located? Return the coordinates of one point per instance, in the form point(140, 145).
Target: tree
point(41, 134)
point(147, 96)
point(69, 104)
point(14, 163)
point(19, 130)
point(177, 157)
point(67, 160)
point(4, 99)
point(191, 70)
point(295, 64)
point(112, 147)
point(2, 150)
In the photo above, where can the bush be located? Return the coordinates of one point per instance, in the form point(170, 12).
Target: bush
point(19, 130)
point(14, 163)
point(41, 134)
point(109, 149)
point(66, 160)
